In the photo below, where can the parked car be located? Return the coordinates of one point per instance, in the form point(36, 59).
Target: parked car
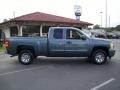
point(113, 35)
point(100, 35)
point(61, 42)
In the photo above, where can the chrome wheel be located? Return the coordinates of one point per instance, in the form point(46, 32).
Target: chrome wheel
point(25, 57)
point(100, 57)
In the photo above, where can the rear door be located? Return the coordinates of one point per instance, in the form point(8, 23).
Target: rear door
point(75, 46)
point(57, 42)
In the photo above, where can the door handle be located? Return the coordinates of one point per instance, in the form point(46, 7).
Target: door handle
point(69, 42)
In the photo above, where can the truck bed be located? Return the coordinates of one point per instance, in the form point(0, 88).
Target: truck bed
point(38, 43)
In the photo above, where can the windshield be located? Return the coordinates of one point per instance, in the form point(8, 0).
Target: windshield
point(88, 35)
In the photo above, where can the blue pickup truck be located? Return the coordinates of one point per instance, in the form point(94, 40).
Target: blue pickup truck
point(61, 42)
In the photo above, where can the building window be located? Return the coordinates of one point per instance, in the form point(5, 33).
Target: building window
point(31, 31)
point(13, 31)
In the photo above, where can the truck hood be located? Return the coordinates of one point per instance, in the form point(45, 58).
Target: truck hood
point(100, 41)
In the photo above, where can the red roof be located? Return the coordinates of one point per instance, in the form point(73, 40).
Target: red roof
point(43, 17)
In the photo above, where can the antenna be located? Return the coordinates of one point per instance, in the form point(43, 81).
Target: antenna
point(77, 9)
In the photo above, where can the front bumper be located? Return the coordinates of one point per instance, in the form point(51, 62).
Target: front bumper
point(111, 53)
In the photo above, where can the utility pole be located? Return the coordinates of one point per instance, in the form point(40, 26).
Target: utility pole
point(109, 21)
point(106, 15)
point(14, 14)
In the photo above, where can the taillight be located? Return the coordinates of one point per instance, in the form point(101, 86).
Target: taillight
point(6, 43)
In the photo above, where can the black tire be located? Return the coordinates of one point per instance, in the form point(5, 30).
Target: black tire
point(99, 57)
point(25, 57)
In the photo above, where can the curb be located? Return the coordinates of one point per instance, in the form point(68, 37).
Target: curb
point(1, 53)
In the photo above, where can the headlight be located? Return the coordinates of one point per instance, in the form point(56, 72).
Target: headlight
point(111, 46)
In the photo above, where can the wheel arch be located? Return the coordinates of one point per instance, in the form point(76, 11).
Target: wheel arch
point(25, 47)
point(100, 48)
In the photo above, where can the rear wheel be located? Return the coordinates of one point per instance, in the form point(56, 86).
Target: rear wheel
point(99, 57)
point(25, 57)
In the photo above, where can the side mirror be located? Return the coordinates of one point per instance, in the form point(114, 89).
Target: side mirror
point(83, 37)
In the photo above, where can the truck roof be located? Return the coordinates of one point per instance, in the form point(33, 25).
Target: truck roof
point(65, 27)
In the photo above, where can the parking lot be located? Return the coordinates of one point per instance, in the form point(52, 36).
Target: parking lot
point(60, 73)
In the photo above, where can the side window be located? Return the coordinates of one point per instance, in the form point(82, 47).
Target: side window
point(73, 34)
point(58, 33)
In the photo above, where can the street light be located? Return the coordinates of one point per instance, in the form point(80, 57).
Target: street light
point(101, 18)
point(106, 14)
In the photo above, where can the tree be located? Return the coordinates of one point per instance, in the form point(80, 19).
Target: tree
point(117, 28)
point(96, 26)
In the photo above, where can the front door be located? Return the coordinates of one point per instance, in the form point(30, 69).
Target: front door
point(75, 46)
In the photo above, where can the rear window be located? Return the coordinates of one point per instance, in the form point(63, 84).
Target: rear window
point(58, 33)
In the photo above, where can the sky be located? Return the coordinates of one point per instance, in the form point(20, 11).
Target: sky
point(90, 9)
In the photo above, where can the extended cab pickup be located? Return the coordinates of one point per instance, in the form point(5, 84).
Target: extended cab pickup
point(61, 42)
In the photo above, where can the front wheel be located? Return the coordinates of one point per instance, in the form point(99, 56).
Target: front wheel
point(99, 57)
point(25, 57)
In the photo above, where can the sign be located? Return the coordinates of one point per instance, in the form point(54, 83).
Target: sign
point(77, 9)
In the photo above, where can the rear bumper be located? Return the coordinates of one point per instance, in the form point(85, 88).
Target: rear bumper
point(111, 53)
point(9, 52)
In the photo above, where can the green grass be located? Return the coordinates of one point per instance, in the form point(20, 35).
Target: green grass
point(2, 49)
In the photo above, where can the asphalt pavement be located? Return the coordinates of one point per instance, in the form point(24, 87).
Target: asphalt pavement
point(60, 73)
